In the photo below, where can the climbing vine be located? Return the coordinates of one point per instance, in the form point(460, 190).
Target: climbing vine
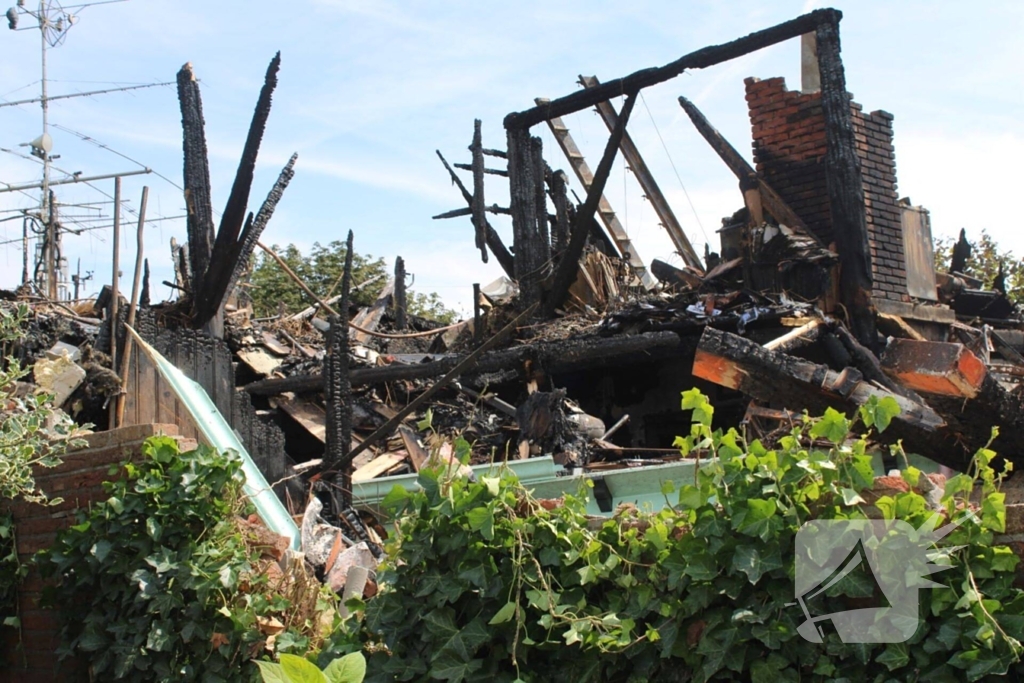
point(485, 583)
point(162, 582)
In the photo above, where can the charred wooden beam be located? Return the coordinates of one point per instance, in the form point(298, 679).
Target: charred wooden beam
point(935, 367)
point(494, 242)
point(540, 198)
point(530, 261)
point(705, 57)
point(400, 296)
point(666, 272)
point(647, 182)
point(741, 364)
point(487, 171)
point(198, 205)
point(567, 267)
point(744, 172)
point(866, 361)
point(477, 203)
point(797, 337)
point(208, 301)
point(557, 356)
point(845, 186)
point(496, 153)
point(560, 198)
point(458, 213)
point(338, 386)
point(253, 230)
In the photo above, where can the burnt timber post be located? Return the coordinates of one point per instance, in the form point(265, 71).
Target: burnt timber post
point(845, 185)
point(400, 297)
point(529, 251)
point(477, 204)
point(338, 389)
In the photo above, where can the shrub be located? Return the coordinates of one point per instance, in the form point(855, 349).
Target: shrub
point(484, 583)
point(159, 582)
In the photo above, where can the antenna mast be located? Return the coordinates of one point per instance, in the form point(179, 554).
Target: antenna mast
point(53, 21)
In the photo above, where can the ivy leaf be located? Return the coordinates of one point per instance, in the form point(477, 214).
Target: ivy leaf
point(299, 670)
point(757, 520)
point(504, 614)
point(348, 669)
point(833, 426)
point(690, 497)
point(896, 656)
point(482, 519)
point(993, 512)
point(703, 411)
point(750, 561)
point(851, 497)
point(492, 485)
point(879, 413)
point(271, 672)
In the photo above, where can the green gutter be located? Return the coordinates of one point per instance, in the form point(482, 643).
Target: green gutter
point(218, 433)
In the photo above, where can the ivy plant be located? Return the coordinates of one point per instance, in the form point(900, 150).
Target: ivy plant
point(158, 582)
point(484, 583)
point(294, 669)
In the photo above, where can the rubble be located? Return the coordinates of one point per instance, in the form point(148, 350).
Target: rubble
point(579, 353)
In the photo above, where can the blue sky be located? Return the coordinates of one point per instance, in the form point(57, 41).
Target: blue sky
point(369, 89)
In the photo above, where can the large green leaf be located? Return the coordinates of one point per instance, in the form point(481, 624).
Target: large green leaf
point(348, 669)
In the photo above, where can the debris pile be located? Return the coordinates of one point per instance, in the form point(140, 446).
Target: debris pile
point(819, 296)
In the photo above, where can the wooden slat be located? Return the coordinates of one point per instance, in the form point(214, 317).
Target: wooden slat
point(378, 466)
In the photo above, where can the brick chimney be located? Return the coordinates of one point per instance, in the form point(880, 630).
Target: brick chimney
point(789, 149)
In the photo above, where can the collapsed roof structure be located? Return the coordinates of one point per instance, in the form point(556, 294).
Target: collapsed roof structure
point(823, 294)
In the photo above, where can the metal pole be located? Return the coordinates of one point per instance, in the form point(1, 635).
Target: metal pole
point(127, 360)
point(72, 180)
point(46, 212)
point(113, 290)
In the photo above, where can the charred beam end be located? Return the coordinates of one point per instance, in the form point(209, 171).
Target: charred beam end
point(459, 213)
point(254, 229)
point(700, 59)
point(845, 186)
point(487, 171)
point(400, 296)
point(744, 172)
point(235, 209)
point(560, 198)
point(196, 177)
point(477, 203)
point(567, 267)
point(494, 242)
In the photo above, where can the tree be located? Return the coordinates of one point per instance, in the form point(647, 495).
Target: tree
point(985, 263)
point(271, 289)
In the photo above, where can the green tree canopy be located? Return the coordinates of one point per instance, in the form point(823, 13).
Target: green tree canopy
point(271, 289)
point(984, 263)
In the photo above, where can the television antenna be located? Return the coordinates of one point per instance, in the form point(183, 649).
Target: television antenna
point(53, 21)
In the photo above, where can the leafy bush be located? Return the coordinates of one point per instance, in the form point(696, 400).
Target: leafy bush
point(159, 582)
point(484, 583)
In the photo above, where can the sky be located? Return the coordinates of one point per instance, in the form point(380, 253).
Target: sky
point(369, 89)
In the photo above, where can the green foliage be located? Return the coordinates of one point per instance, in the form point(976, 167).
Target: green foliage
point(321, 270)
point(986, 258)
point(294, 669)
point(157, 583)
point(483, 583)
point(32, 432)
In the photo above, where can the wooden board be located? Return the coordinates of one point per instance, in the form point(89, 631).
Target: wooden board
point(378, 466)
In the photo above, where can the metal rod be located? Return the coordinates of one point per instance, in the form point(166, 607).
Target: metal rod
point(126, 361)
point(70, 181)
point(83, 94)
point(615, 427)
point(114, 289)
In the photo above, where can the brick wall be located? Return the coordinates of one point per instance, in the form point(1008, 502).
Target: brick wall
point(789, 151)
point(78, 480)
